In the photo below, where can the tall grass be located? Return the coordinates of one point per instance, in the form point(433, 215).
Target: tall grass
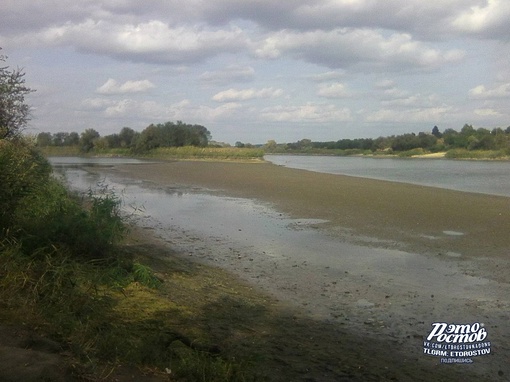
point(477, 154)
point(61, 151)
point(192, 152)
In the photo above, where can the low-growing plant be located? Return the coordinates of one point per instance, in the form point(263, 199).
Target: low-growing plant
point(411, 153)
point(476, 154)
point(145, 276)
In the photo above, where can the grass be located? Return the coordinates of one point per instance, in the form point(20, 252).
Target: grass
point(187, 152)
point(61, 151)
point(192, 152)
point(66, 271)
point(477, 154)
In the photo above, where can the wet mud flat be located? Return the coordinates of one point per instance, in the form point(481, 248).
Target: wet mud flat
point(375, 263)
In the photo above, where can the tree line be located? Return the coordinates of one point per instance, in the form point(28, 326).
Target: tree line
point(467, 138)
point(167, 134)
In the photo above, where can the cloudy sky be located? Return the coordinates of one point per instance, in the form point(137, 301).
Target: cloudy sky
point(255, 70)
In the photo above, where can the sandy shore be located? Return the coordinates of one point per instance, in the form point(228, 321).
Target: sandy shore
point(456, 240)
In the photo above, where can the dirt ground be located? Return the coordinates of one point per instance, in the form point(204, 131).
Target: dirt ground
point(376, 328)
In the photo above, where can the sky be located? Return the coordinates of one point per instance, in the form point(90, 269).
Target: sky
point(257, 70)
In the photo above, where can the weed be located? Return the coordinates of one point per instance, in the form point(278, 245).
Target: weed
point(145, 276)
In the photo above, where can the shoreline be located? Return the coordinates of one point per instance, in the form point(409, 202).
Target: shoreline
point(396, 313)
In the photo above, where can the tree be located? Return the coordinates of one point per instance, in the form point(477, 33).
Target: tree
point(14, 112)
point(87, 139)
point(271, 146)
point(44, 139)
point(73, 139)
point(60, 138)
point(436, 132)
point(127, 137)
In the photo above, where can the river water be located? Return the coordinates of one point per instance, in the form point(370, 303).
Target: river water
point(486, 177)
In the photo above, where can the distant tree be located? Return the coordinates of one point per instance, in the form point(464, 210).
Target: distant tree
point(271, 145)
point(427, 141)
point(101, 143)
point(127, 137)
point(405, 142)
point(467, 130)
point(239, 144)
point(453, 139)
point(60, 138)
point(73, 139)
point(112, 140)
point(149, 139)
point(436, 133)
point(87, 139)
point(172, 134)
point(14, 112)
point(44, 139)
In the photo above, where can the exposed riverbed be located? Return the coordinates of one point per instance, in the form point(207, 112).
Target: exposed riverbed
point(370, 284)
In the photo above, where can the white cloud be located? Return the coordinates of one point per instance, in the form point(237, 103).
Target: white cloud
point(336, 90)
point(492, 17)
point(113, 87)
point(153, 41)
point(306, 113)
point(487, 112)
point(328, 76)
point(385, 84)
point(347, 48)
point(481, 92)
point(425, 115)
point(95, 103)
point(395, 97)
point(232, 73)
point(139, 110)
point(246, 94)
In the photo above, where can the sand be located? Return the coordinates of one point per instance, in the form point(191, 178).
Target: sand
point(457, 264)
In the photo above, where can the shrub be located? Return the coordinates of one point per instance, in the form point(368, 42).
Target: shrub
point(22, 170)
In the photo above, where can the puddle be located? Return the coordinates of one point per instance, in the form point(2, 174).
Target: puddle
point(453, 233)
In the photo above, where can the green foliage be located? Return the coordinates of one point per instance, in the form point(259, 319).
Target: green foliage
point(489, 142)
point(38, 212)
point(145, 276)
point(477, 154)
point(14, 113)
point(172, 134)
point(169, 134)
point(22, 170)
point(410, 153)
point(49, 216)
point(87, 140)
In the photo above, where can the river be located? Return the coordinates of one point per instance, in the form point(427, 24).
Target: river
point(486, 177)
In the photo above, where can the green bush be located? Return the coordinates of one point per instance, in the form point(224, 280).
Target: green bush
point(22, 170)
point(39, 212)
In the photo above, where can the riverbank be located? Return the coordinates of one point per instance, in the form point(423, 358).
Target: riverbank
point(455, 233)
